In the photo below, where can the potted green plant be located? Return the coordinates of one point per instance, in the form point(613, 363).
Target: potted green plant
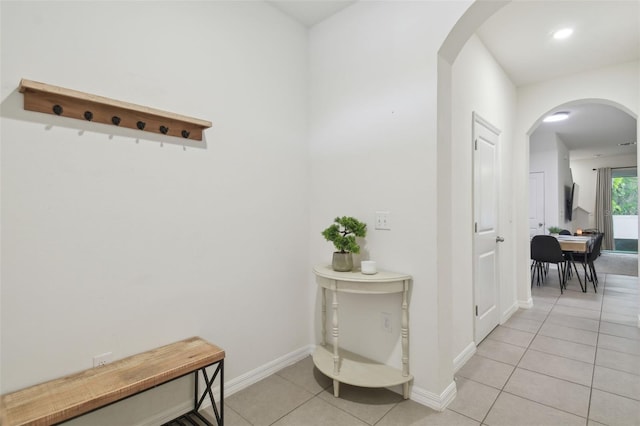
point(554, 230)
point(343, 235)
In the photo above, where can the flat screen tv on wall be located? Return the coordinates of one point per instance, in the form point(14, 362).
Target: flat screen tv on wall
point(570, 192)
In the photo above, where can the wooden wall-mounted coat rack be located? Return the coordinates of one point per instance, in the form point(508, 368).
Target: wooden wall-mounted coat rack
point(56, 100)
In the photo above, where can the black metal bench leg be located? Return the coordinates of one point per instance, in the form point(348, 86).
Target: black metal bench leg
point(219, 370)
point(199, 398)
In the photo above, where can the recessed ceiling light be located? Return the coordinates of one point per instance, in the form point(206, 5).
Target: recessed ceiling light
point(558, 116)
point(563, 33)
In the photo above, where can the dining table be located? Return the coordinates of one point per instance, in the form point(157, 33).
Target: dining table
point(577, 245)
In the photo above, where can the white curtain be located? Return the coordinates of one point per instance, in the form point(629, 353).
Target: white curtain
point(604, 222)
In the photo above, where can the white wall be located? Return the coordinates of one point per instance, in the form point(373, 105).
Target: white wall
point(479, 85)
point(543, 157)
point(548, 154)
point(618, 85)
point(107, 230)
point(565, 182)
point(586, 178)
point(118, 240)
point(373, 147)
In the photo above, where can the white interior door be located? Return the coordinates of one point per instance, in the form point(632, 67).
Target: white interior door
point(536, 203)
point(486, 237)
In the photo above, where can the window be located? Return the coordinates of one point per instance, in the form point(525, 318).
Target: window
point(624, 208)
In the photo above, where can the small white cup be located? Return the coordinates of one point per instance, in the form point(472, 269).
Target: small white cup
point(368, 267)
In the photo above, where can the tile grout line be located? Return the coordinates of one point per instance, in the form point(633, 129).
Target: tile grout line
point(464, 415)
point(546, 405)
point(555, 303)
point(593, 372)
point(313, 396)
point(514, 368)
point(547, 375)
point(598, 332)
point(317, 395)
point(612, 350)
point(615, 369)
point(387, 413)
point(239, 415)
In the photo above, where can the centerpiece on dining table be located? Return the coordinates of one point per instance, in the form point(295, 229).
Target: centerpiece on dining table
point(554, 230)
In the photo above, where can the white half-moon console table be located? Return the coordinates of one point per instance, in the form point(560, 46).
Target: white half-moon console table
point(347, 367)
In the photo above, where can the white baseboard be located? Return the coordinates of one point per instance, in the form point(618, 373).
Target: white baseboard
point(464, 356)
point(264, 371)
point(507, 314)
point(432, 400)
point(525, 304)
point(251, 377)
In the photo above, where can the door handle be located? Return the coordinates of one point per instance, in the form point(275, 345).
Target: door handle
point(499, 239)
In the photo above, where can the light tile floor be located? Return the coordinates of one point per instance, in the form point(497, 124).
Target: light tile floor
point(574, 359)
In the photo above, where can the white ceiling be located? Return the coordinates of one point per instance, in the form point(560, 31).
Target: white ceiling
point(606, 32)
point(310, 12)
point(594, 130)
point(519, 37)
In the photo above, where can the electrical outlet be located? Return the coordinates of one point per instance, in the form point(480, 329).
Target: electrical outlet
point(385, 322)
point(100, 360)
point(383, 221)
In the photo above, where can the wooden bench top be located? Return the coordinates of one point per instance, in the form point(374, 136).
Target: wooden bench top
point(67, 397)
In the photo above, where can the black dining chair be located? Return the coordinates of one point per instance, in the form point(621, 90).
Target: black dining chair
point(546, 249)
point(587, 261)
point(590, 231)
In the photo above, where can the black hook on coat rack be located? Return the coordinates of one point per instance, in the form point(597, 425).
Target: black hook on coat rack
point(88, 115)
point(164, 130)
point(141, 124)
point(115, 120)
point(185, 134)
point(57, 109)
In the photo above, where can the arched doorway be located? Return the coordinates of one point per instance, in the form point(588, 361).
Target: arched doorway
point(595, 143)
point(596, 133)
point(531, 105)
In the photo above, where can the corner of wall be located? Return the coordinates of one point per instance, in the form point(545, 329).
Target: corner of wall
point(461, 359)
point(509, 312)
point(432, 400)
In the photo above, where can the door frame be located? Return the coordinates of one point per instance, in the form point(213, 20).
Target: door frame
point(544, 194)
point(479, 119)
